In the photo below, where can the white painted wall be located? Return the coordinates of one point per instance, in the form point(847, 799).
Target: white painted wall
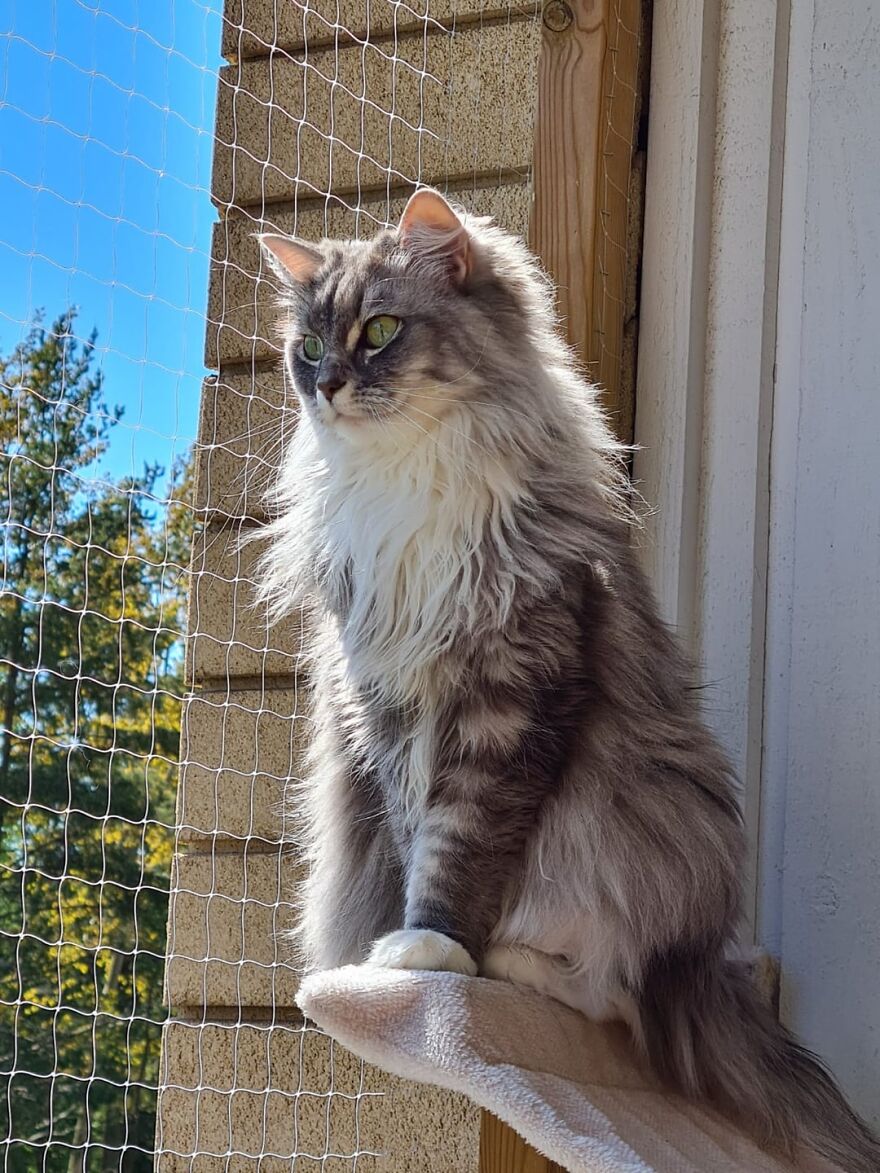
point(706, 337)
point(762, 246)
point(820, 797)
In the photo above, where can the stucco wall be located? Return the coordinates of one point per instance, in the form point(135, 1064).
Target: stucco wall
point(305, 134)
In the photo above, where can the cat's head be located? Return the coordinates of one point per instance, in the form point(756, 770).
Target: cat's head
point(435, 314)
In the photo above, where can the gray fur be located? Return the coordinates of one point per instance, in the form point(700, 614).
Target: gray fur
point(517, 757)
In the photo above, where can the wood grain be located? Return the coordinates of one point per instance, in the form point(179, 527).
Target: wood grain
point(588, 90)
point(610, 308)
point(504, 1151)
point(582, 227)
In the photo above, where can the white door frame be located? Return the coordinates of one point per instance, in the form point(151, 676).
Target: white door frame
point(706, 350)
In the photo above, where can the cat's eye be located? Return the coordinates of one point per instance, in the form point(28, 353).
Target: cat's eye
point(380, 330)
point(312, 347)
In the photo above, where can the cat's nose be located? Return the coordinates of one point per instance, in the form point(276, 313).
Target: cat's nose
point(330, 383)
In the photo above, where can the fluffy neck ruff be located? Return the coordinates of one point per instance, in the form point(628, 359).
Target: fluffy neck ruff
point(408, 540)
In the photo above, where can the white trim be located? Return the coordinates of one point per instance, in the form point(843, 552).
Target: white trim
point(786, 410)
point(674, 283)
point(707, 329)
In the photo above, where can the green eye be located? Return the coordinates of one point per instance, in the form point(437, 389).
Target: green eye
point(312, 347)
point(379, 331)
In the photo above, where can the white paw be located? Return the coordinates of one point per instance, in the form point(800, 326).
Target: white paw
point(421, 949)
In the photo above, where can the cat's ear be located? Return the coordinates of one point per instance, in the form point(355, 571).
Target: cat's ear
point(292, 260)
point(430, 227)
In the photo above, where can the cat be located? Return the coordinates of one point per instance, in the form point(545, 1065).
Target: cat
point(509, 774)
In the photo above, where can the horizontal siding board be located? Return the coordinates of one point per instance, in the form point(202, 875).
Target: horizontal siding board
point(246, 419)
point(254, 28)
point(436, 107)
point(239, 749)
point(230, 636)
point(230, 917)
point(251, 1098)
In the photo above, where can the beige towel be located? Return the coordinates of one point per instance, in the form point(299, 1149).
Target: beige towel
point(571, 1088)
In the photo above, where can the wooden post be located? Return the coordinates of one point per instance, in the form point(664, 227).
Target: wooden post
point(589, 85)
point(504, 1151)
point(586, 228)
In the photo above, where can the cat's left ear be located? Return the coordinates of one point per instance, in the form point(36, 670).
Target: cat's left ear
point(292, 260)
point(430, 227)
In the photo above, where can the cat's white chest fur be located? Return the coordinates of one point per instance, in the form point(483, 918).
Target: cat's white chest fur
point(409, 527)
point(402, 532)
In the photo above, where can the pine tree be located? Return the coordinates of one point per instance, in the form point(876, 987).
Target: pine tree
point(91, 620)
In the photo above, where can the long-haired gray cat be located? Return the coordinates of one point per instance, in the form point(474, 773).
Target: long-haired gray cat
point(510, 775)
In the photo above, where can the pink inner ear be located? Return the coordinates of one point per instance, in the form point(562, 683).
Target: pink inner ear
point(429, 226)
point(428, 209)
point(292, 258)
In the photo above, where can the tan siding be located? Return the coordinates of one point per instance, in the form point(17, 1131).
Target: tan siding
point(253, 28)
point(245, 1085)
point(230, 636)
point(238, 748)
point(265, 1095)
point(294, 124)
point(230, 912)
point(246, 418)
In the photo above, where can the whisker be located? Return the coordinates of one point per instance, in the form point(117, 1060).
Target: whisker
point(269, 425)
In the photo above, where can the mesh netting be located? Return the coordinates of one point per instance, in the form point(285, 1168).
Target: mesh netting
point(141, 773)
point(104, 248)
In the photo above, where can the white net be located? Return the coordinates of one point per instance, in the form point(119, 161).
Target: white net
point(140, 773)
point(106, 129)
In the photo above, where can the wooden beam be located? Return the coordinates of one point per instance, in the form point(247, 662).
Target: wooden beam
point(589, 86)
point(614, 295)
point(504, 1151)
point(586, 228)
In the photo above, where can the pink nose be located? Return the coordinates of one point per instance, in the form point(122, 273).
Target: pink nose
point(330, 385)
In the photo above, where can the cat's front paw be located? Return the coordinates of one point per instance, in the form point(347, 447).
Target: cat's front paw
point(421, 949)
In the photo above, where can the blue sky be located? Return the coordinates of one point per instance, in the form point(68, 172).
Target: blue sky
point(106, 121)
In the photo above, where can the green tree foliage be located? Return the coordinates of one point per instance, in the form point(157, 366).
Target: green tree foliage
point(91, 616)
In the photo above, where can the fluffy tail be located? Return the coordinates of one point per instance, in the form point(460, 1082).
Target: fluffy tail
point(708, 1034)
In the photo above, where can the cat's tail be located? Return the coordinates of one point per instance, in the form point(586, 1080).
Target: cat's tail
point(708, 1033)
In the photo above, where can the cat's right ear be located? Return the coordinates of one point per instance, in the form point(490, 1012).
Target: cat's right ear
point(430, 227)
point(292, 260)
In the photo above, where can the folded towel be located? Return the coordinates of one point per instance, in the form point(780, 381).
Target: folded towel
point(573, 1089)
